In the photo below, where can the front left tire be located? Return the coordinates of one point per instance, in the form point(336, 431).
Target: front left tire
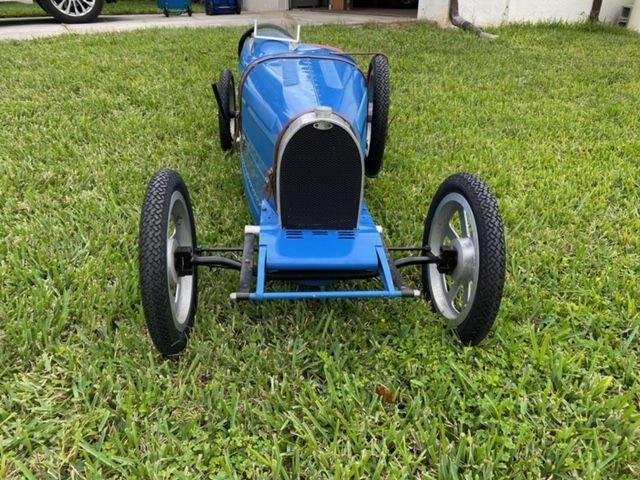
point(169, 300)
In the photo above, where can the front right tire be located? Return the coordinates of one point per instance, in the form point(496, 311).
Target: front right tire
point(169, 300)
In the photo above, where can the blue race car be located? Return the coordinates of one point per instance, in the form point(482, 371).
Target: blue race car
point(310, 125)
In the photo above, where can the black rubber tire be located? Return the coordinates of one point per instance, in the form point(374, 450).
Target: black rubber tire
point(379, 87)
point(166, 12)
point(227, 91)
point(491, 243)
point(189, 11)
point(90, 16)
point(243, 38)
point(249, 32)
point(167, 338)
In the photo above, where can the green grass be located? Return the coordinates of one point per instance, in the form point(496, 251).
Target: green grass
point(548, 115)
point(121, 7)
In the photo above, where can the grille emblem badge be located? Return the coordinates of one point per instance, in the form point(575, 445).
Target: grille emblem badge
point(323, 125)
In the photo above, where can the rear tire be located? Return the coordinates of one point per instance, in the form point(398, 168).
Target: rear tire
point(243, 38)
point(226, 89)
point(464, 216)
point(80, 11)
point(378, 87)
point(169, 301)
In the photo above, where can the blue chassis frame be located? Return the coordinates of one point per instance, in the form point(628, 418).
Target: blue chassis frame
point(359, 250)
point(321, 255)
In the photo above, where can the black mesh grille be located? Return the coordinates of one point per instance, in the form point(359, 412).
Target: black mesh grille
point(320, 180)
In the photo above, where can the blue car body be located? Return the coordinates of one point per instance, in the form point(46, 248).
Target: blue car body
point(310, 126)
point(278, 85)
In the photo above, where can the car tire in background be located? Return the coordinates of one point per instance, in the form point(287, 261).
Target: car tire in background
point(72, 11)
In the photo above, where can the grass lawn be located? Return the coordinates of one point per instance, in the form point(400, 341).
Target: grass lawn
point(548, 115)
point(121, 7)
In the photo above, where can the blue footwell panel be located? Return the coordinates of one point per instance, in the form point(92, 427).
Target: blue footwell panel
point(319, 249)
point(285, 250)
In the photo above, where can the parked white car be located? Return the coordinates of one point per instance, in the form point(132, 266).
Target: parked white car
point(69, 11)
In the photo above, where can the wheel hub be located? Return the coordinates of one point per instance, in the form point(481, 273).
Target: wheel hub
point(466, 258)
point(172, 246)
point(453, 236)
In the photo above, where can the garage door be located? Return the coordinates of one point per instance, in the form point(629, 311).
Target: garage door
point(308, 3)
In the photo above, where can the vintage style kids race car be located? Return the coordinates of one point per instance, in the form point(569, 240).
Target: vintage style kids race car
point(310, 125)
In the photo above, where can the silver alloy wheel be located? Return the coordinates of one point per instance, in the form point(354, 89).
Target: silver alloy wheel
point(73, 8)
point(454, 225)
point(369, 115)
point(179, 234)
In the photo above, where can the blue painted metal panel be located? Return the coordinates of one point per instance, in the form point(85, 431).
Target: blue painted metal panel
point(359, 249)
point(279, 84)
point(319, 249)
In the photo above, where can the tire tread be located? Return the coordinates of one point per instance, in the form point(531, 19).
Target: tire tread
point(226, 88)
point(491, 278)
point(152, 263)
point(379, 67)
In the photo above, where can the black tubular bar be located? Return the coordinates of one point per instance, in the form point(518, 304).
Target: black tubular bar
point(199, 250)
point(416, 260)
point(246, 269)
point(424, 248)
point(398, 280)
point(218, 249)
point(216, 261)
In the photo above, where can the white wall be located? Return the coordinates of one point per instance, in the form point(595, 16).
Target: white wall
point(434, 10)
point(496, 12)
point(634, 18)
point(265, 5)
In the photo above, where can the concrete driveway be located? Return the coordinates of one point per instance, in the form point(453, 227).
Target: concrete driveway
point(28, 28)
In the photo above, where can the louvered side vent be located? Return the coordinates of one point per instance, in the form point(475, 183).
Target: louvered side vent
point(293, 234)
point(346, 234)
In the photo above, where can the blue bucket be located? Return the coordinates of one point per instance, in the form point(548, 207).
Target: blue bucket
point(175, 7)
